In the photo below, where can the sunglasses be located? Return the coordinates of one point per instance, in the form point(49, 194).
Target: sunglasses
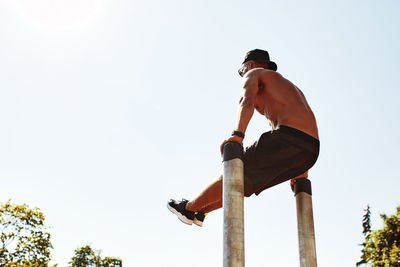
point(243, 69)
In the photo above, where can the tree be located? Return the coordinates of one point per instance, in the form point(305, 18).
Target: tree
point(24, 240)
point(86, 257)
point(366, 224)
point(382, 247)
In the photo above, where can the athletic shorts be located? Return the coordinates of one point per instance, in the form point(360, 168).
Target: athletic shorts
point(276, 157)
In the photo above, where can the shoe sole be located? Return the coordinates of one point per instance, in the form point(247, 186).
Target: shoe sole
point(180, 215)
point(198, 223)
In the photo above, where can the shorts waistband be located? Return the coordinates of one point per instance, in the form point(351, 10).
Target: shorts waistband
point(297, 133)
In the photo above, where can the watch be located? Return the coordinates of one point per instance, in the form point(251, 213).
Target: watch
point(238, 133)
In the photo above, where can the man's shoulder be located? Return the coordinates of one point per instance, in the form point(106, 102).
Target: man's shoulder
point(261, 73)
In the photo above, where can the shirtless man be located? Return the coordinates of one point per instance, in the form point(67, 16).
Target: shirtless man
point(286, 152)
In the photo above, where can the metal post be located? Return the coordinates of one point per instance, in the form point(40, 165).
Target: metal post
point(305, 223)
point(233, 203)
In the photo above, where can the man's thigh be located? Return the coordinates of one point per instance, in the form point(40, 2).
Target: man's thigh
point(271, 160)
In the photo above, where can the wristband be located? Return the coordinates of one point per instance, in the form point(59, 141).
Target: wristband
point(238, 133)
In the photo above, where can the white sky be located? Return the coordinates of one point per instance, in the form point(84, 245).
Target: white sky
point(110, 108)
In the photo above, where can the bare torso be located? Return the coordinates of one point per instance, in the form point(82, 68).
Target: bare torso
point(282, 103)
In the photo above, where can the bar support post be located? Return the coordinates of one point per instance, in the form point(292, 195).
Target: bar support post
point(305, 223)
point(233, 205)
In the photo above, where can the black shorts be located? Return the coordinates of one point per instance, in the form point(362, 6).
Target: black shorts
point(276, 157)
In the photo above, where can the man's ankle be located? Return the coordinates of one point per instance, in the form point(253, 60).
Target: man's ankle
point(189, 206)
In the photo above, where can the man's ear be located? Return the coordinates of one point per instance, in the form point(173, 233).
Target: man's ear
point(251, 65)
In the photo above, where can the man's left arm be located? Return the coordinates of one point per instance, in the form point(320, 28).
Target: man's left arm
point(246, 107)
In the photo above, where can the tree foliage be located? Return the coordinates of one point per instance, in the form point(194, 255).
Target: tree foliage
point(366, 223)
point(24, 240)
point(382, 247)
point(86, 257)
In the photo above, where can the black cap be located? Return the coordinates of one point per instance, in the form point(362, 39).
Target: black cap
point(260, 56)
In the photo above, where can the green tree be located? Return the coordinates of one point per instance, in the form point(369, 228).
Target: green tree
point(382, 247)
point(24, 240)
point(86, 257)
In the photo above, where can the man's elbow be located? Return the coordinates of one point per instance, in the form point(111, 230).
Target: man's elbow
point(248, 102)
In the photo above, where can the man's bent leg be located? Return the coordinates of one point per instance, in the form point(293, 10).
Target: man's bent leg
point(209, 199)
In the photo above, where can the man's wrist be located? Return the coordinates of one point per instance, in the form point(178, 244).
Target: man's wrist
point(238, 133)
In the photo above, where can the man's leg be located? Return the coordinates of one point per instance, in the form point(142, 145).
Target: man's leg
point(209, 199)
point(212, 206)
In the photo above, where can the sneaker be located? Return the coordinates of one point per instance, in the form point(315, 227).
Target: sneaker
point(179, 208)
point(199, 218)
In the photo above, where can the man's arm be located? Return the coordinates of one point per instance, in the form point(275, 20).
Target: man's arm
point(246, 107)
point(247, 102)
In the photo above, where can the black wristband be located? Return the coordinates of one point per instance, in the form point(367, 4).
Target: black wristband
point(238, 133)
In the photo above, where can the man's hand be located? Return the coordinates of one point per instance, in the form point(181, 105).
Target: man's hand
point(233, 138)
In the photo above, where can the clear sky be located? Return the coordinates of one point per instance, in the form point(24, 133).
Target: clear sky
point(110, 108)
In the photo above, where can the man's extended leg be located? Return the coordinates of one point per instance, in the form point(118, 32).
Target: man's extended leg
point(209, 199)
point(194, 211)
point(212, 206)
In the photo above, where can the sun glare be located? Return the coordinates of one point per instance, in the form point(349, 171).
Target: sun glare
point(59, 15)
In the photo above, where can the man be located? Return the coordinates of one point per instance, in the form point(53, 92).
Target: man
point(286, 152)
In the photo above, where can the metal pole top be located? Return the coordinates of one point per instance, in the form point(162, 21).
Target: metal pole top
point(232, 150)
point(302, 185)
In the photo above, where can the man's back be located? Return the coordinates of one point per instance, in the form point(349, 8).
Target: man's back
point(282, 102)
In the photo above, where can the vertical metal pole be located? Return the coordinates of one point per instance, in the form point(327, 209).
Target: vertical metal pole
point(305, 223)
point(233, 203)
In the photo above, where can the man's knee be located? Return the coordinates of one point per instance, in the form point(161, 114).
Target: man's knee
point(303, 175)
point(293, 180)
